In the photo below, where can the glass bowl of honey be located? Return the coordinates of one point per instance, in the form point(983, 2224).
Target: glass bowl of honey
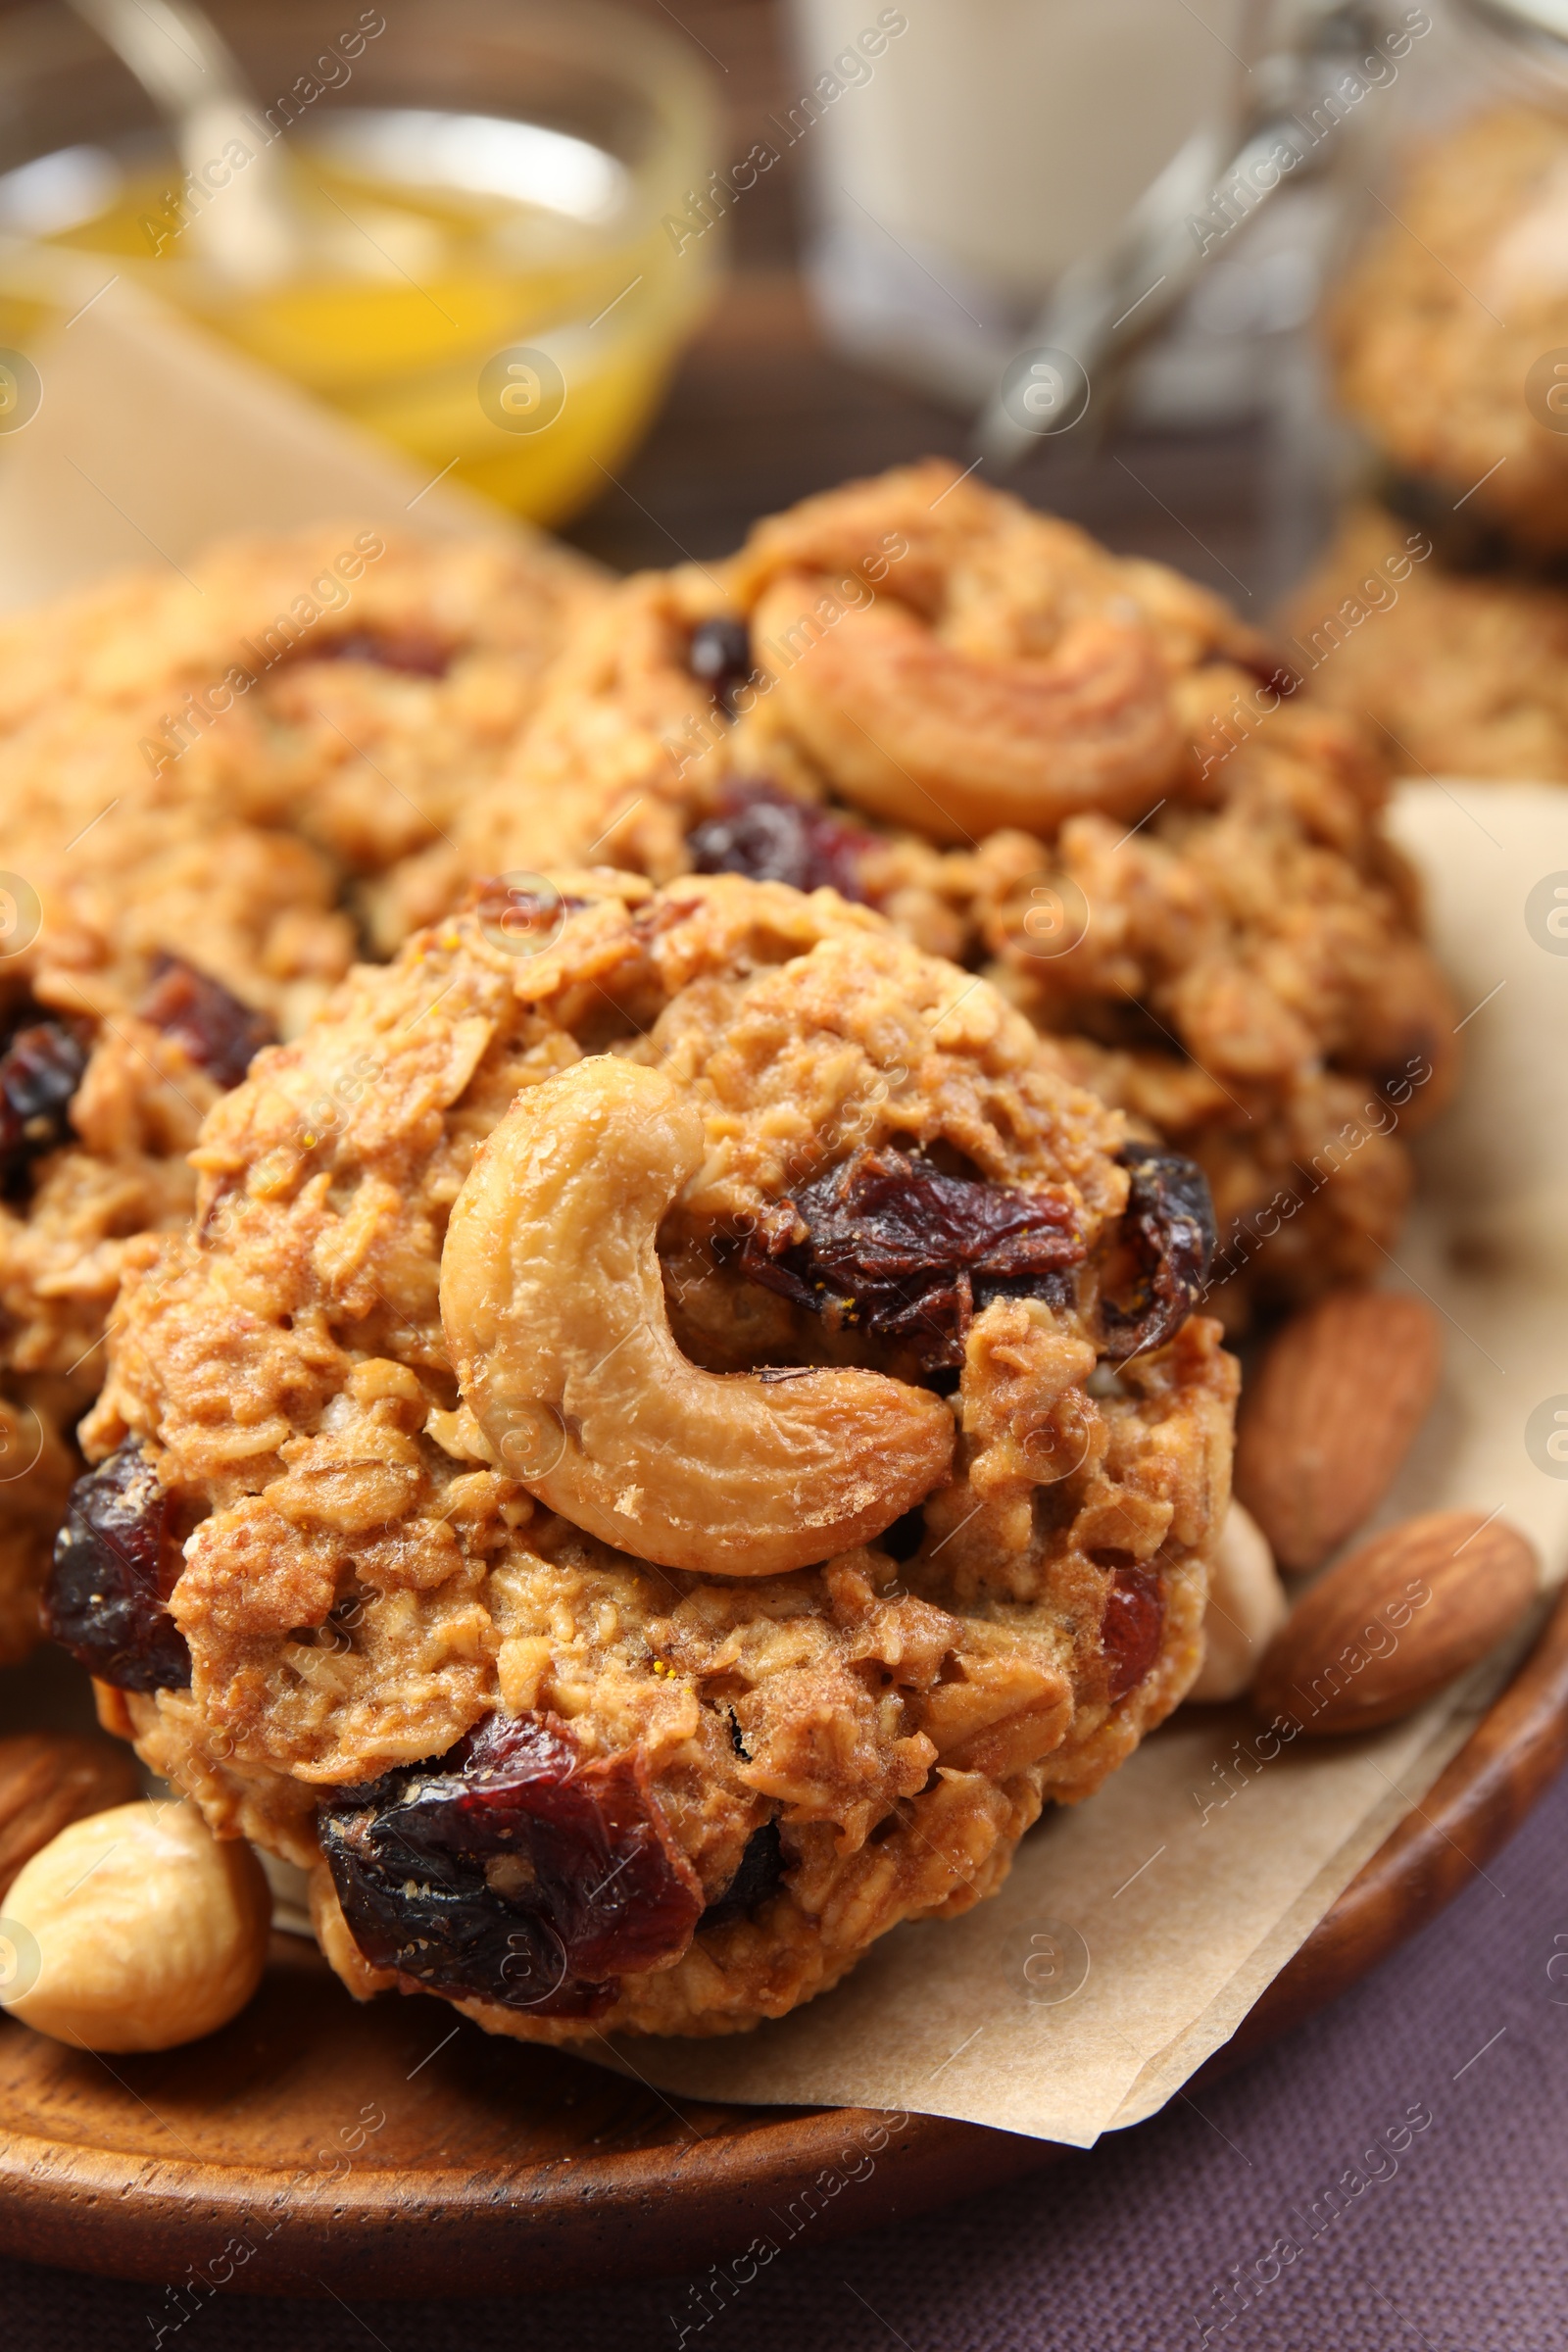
point(476, 233)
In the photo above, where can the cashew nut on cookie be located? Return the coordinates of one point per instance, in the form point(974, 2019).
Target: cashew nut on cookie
point(915, 731)
point(554, 1308)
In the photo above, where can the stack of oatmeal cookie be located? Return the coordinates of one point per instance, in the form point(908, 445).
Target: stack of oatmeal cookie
point(690, 1399)
point(1441, 611)
point(1080, 775)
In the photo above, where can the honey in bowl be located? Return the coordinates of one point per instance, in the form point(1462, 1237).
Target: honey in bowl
point(500, 297)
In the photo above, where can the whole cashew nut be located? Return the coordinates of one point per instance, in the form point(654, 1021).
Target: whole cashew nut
point(918, 732)
point(554, 1308)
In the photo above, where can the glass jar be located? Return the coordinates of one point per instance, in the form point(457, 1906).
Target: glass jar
point(961, 154)
point(1448, 335)
point(965, 160)
point(479, 266)
point(1439, 608)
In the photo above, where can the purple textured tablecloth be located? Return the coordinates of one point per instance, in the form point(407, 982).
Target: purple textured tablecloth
point(1457, 2243)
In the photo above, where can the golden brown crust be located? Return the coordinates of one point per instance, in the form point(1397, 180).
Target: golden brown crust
point(1245, 979)
point(364, 1579)
point(65, 1229)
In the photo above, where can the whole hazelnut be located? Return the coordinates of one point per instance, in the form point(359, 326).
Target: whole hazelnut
point(134, 1930)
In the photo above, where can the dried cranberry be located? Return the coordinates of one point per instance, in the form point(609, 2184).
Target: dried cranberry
point(511, 1870)
point(1131, 1628)
point(769, 836)
point(1463, 538)
point(415, 652)
point(221, 1035)
point(115, 1563)
point(759, 1874)
point(903, 1538)
point(720, 656)
point(41, 1070)
point(1277, 676)
point(1169, 1230)
point(909, 1252)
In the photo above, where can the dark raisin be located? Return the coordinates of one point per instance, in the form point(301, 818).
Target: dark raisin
point(1168, 1234)
point(41, 1070)
point(909, 1252)
point(1275, 675)
point(511, 1869)
point(1462, 537)
point(720, 656)
point(1398, 1081)
point(415, 652)
point(221, 1035)
point(769, 836)
point(1132, 1628)
point(903, 1538)
point(759, 1875)
point(115, 1563)
point(1123, 1023)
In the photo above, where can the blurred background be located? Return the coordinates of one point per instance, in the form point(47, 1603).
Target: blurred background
point(644, 273)
point(857, 327)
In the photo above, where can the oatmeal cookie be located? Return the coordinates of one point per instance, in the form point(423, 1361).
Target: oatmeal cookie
point(1248, 979)
point(1466, 674)
point(343, 685)
point(90, 906)
point(667, 1440)
point(100, 1102)
point(144, 956)
point(1248, 953)
point(933, 653)
point(36, 1469)
point(1453, 303)
point(191, 765)
point(145, 952)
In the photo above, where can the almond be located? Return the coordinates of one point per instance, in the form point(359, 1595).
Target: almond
point(48, 1779)
point(1397, 1619)
point(1327, 1421)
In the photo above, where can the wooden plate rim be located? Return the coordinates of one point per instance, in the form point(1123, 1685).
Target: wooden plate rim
point(638, 2211)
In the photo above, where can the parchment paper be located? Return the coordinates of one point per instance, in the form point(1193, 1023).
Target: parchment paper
point(1136, 1931)
point(152, 437)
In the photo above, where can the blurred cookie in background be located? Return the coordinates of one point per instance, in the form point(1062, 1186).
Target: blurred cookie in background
point(338, 684)
point(1449, 339)
point(1463, 672)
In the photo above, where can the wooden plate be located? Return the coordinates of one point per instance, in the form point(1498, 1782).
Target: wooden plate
point(384, 2150)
